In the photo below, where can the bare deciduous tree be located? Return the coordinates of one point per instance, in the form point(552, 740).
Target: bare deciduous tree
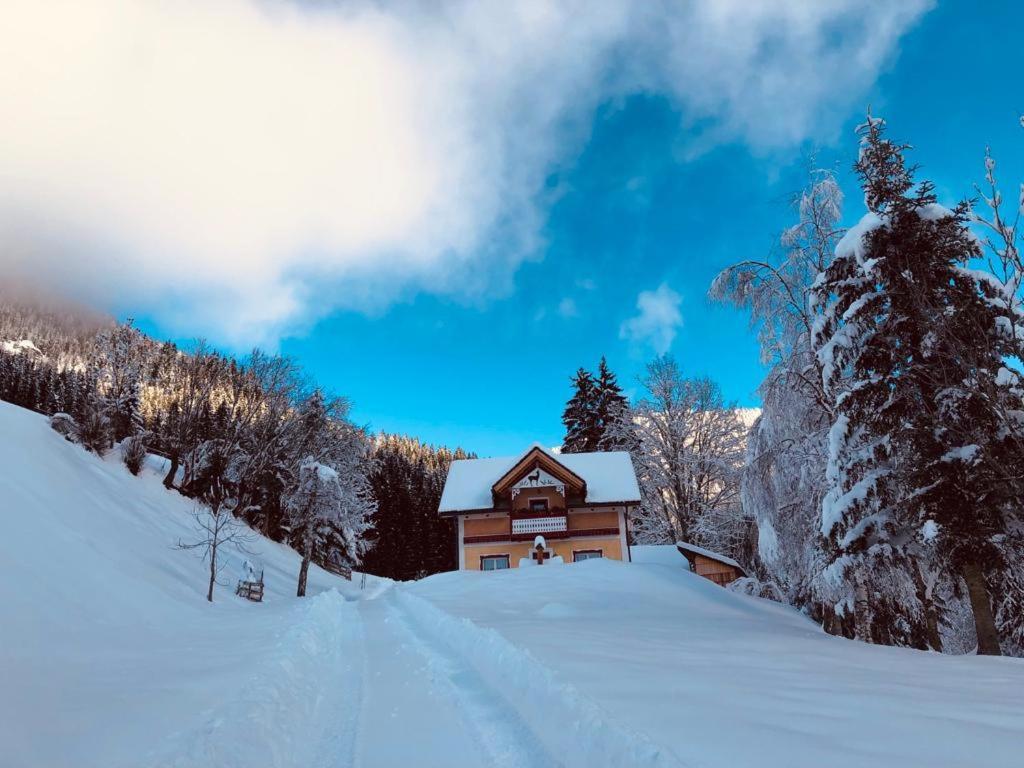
point(216, 526)
point(688, 451)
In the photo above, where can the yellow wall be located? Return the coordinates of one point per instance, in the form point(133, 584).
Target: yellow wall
point(609, 545)
point(608, 518)
point(555, 499)
point(486, 526)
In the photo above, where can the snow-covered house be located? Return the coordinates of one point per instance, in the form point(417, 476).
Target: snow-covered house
point(579, 503)
point(712, 566)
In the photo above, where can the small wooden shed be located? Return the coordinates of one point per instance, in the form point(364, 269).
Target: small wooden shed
point(712, 566)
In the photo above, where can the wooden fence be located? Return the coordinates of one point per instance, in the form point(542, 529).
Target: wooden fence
point(338, 570)
point(250, 590)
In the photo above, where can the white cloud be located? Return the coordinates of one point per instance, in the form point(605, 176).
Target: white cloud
point(567, 307)
point(240, 168)
point(657, 321)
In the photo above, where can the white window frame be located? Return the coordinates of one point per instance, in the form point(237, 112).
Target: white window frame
point(590, 554)
point(497, 556)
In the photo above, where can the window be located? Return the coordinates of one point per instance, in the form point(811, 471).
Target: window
point(538, 505)
point(586, 554)
point(493, 562)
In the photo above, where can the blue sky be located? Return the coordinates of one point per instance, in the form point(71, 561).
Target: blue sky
point(443, 210)
point(633, 215)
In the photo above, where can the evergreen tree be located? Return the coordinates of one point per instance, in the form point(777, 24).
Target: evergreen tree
point(118, 357)
point(911, 356)
point(411, 539)
point(609, 406)
point(325, 505)
point(580, 418)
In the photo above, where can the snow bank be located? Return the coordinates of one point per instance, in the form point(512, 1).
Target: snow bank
point(659, 554)
point(684, 671)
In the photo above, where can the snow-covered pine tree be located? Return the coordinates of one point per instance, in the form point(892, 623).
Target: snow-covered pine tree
point(609, 405)
point(582, 427)
point(868, 339)
point(410, 539)
point(118, 361)
point(324, 506)
point(313, 505)
point(910, 351)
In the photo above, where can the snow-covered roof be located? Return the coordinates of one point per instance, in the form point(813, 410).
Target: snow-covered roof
point(684, 547)
point(609, 476)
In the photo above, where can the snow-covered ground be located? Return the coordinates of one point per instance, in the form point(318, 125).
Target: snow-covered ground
point(110, 656)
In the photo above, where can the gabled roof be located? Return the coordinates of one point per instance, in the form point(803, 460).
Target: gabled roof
point(608, 477)
point(536, 455)
point(687, 550)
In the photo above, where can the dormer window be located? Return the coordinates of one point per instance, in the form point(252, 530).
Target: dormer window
point(538, 505)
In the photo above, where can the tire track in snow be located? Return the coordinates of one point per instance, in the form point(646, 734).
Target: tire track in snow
point(496, 725)
point(290, 704)
point(569, 723)
point(340, 747)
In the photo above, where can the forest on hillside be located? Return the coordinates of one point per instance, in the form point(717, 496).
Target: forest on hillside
point(240, 435)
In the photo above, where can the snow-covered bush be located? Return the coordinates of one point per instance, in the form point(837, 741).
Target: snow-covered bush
point(133, 453)
point(94, 430)
point(748, 585)
point(64, 424)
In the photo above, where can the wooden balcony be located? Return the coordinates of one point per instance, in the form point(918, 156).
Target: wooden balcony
point(536, 524)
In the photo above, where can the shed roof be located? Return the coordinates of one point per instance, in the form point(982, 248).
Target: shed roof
point(693, 549)
point(609, 476)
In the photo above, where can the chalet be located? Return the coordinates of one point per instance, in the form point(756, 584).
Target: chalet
point(539, 506)
point(712, 566)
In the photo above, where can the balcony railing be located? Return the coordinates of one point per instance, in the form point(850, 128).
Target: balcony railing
point(492, 538)
point(534, 525)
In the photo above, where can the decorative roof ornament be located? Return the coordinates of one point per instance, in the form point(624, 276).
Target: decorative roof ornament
point(538, 478)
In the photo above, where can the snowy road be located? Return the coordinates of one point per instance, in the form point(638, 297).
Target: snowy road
point(422, 705)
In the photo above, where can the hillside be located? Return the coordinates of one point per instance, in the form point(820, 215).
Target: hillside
point(111, 656)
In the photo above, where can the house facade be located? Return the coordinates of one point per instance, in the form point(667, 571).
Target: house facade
point(531, 508)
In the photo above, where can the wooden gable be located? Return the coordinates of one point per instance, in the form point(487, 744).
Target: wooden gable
point(538, 459)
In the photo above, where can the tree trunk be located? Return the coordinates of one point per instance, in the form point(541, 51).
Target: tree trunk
point(303, 572)
point(931, 616)
point(213, 571)
point(981, 607)
point(169, 478)
point(925, 593)
point(861, 612)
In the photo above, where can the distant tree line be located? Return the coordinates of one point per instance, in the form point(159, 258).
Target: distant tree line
point(411, 539)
